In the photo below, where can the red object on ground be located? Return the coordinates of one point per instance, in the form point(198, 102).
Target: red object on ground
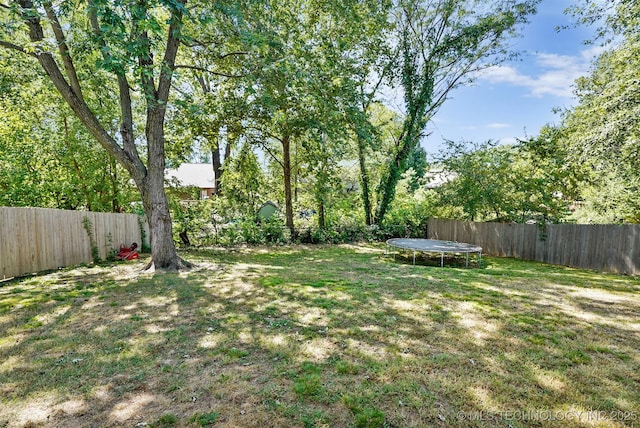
point(128, 253)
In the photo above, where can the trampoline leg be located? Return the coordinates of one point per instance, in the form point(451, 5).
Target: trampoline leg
point(414, 258)
point(467, 259)
point(442, 260)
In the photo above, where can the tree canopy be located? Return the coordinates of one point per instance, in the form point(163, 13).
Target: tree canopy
point(283, 98)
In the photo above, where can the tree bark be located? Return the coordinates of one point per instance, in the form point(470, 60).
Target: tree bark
point(154, 199)
point(286, 167)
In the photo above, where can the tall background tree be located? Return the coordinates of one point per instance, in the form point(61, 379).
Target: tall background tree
point(306, 58)
point(602, 133)
point(441, 44)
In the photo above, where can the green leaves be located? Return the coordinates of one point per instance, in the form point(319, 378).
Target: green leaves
point(508, 183)
point(602, 133)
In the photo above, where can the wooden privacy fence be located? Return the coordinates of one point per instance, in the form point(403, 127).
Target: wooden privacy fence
point(604, 247)
point(37, 239)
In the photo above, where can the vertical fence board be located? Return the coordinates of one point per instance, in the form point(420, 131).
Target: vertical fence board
point(631, 253)
point(37, 239)
point(611, 248)
point(9, 255)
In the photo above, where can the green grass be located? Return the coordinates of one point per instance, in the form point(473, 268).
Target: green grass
point(327, 336)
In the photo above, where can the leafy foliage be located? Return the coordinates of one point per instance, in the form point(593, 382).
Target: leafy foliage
point(602, 132)
point(506, 183)
point(47, 158)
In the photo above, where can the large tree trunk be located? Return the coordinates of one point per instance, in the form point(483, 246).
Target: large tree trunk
point(156, 207)
point(286, 166)
point(154, 199)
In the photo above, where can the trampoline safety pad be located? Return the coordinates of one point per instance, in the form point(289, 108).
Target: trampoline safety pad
point(435, 246)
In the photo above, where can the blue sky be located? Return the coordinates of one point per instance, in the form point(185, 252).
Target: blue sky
point(516, 98)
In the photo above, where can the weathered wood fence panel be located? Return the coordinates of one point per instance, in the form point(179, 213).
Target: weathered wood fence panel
point(37, 239)
point(604, 247)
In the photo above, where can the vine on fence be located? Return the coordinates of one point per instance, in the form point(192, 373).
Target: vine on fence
point(144, 247)
point(95, 251)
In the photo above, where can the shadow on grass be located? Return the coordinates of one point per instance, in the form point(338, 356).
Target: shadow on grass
point(320, 336)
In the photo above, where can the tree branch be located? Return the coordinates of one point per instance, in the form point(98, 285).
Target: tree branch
point(206, 70)
point(206, 87)
point(223, 56)
point(145, 61)
point(67, 61)
point(268, 150)
point(169, 60)
point(36, 34)
point(18, 48)
point(126, 127)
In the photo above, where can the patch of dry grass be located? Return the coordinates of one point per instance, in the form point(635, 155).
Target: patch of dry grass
point(320, 336)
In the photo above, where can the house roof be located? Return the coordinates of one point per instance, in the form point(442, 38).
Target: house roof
point(193, 174)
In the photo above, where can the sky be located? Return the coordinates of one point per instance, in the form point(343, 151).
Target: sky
point(515, 99)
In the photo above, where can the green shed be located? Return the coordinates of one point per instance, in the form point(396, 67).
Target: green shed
point(267, 210)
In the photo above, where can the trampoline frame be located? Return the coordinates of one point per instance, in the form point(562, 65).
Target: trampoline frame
point(434, 246)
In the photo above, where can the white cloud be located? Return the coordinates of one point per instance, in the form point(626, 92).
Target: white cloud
point(498, 125)
point(554, 74)
point(508, 140)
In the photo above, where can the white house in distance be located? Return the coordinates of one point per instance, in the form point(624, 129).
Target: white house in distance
point(198, 175)
point(436, 177)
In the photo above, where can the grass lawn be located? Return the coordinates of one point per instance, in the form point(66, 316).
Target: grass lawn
point(334, 336)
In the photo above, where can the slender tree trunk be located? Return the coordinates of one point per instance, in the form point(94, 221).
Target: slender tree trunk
point(217, 168)
point(227, 151)
point(115, 191)
point(364, 181)
point(321, 216)
point(286, 166)
point(76, 167)
point(296, 171)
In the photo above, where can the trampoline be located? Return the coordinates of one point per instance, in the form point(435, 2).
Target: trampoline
point(435, 246)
